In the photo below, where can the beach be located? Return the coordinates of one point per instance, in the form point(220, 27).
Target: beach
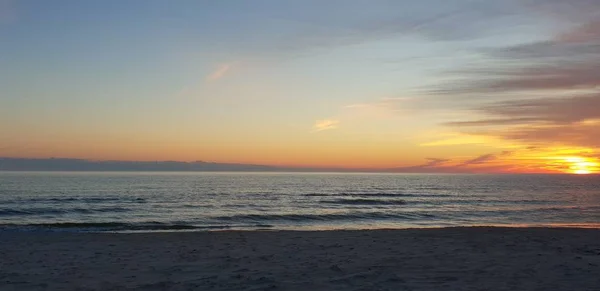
point(474, 258)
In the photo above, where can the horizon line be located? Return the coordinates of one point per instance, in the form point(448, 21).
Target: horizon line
point(220, 167)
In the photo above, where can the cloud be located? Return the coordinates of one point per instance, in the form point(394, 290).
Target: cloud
point(567, 60)
point(458, 138)
point(479, 160)
point(481, 163)
point(325, 124)
point(571, 121)
point(388, 106)
point(433, 162)
point(491, 122)
point(431, 166)
point(421, 106)
point(562, 75)
point(538, 93)
point(588, 31)
point(533, 97)
point(219, 72)
point(483, 159)
point(561, 10)
point(578, 134)
point(541, 110)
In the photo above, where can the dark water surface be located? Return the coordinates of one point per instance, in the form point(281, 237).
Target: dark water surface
point(124, 201)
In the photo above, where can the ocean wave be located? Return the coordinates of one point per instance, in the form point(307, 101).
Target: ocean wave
point(357, 216)
point(433, 188)
point(363, 201)
point(58, 211)
point(481, 201)
point(569, 207)
point(76, 200)
point(378, 194)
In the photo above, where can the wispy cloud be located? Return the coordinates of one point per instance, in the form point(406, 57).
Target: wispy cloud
point(567, 121)
point(568, 60)
point(482, 163)
point(458, 138)
point(325, 124)
point(433, 162)
point(431, 165)
point(491, 162)
point(388, 106)
point(584, 134)
point(219, 72)
point(483, 159)
point(565, 110)
point(585, 32)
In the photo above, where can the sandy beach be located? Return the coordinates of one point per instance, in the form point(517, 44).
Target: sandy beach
point(414, 259)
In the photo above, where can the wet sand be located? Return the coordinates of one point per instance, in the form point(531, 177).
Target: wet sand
point(480, 258)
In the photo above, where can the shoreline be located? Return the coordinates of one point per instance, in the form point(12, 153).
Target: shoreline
point(452, 258)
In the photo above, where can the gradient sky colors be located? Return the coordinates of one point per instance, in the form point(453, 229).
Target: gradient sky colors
point(422, 86)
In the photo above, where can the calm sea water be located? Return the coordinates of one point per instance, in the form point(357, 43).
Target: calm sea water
point(199, 201)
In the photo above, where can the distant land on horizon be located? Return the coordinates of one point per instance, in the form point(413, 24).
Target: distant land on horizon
point(68, 164)
point(71, 164)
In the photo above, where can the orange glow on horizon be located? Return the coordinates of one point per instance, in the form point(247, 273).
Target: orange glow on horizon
point(335, 150)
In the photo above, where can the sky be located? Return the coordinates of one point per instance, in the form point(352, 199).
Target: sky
point(507, 86)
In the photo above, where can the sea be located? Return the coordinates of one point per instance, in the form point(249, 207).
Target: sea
point(201, 201)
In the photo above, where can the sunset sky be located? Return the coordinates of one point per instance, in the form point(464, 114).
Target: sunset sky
point(423, 86)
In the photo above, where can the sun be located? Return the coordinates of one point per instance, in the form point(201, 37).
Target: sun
point(580, 165)
point(581, 172)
